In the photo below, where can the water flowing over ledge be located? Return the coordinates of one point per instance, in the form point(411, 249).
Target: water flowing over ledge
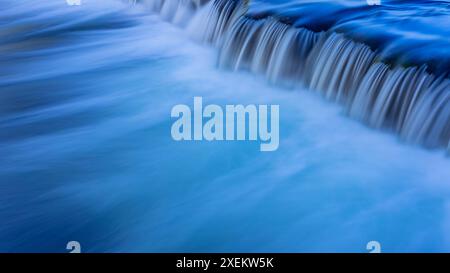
point(408, 101)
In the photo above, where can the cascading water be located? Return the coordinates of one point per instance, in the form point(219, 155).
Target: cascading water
point(215, 20)
point(177, 12)
point(408, 101)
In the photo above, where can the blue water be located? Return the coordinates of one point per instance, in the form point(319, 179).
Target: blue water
point(86, 152)
point(407, 32)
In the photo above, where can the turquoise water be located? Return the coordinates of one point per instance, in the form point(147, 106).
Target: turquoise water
point(87, 155)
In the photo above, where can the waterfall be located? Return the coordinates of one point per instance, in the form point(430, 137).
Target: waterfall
point(408, 101)
point(178, 12)
point(336, 66)
point(214, 20)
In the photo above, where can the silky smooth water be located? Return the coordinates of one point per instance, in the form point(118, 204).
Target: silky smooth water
point(86, 152)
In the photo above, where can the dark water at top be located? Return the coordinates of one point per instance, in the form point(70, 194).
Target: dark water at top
point(410, 32)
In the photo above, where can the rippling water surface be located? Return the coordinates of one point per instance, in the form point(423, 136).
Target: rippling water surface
point(86, 152)
point(412, 32)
